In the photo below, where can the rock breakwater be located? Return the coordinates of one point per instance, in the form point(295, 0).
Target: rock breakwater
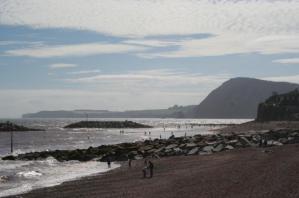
point(107, 124)
point(190, 145)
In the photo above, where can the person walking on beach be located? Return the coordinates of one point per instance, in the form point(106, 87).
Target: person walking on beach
point(130, 162)
point(144, 171)
point(265, 141)
point(151, 168)
point(109, 162)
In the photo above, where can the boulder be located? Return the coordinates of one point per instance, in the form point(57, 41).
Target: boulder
point(171, 146)
point(138, 157)
point(283, 140)
point(218, 148)
point(208, 148)
point(193, 151)
point(146, 148)
point(294, 134)
point(205, 153)
point(178, 151)
point(233, 141)
point(229, 147)
point(190, 145)
point(274, 143)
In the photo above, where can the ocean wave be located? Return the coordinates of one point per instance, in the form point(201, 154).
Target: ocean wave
point(29, 174)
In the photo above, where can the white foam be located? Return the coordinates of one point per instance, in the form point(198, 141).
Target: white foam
point(29, 174)
point(50, 172)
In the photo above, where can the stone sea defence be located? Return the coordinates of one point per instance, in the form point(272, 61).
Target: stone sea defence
point(107, 124)
point(190, 145)
point(8, 126)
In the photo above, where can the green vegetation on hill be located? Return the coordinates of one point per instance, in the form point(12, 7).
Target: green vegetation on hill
point(280, 107)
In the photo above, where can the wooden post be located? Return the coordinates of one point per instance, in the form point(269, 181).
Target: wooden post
point(11, 141)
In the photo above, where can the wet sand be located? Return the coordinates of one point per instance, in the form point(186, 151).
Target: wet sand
point(250, 172)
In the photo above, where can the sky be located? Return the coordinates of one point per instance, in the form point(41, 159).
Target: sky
point(139, 54)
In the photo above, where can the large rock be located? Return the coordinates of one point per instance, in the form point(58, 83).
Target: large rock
point(208, 148)
point(171, 146)
point(107, 124)
point(193, 151)
point(218, 148)
point(274, 143)
point(229, 147)
point(8, 126)
point(191, 145)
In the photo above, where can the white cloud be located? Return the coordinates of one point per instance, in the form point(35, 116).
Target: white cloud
point(287, 61)
point(31, 43)
point(74, 50)
point(227, 44)
point(152, 42)
point(62, 65)
point(289, 78)
point(152, 81)
point(85, 72)
point(247, 26)
point(148, 17)
point(153, 78)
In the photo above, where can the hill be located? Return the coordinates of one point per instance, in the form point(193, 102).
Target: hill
point(239, 98)
point(172, 112)
point(235, 98)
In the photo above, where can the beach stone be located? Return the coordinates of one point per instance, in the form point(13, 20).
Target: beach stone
point(133, 153)
point(294, 134)
point(245, 141)
point(218, 148)
point(212, 143)
point(159, 150)
point(171, 146)
point(208, 148)
point(229, 147)
point(191, 145)
point(283, 140)
point(205, 153)
point(167, 150)
point(193, 151)
point(177, 151)
point(274, 143)
point(138, 157)
point(151, 151)
point(238, 144)
point(146, 148)
point(233, 142)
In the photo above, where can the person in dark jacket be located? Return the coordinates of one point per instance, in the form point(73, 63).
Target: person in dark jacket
point(144, 171)
point(109, 162)
point(151, 168)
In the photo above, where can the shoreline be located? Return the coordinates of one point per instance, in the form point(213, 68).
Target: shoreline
point(247, 172)
point(56, 182)
point(197, 146)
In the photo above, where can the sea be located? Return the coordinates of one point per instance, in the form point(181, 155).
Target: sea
point(18, 177)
